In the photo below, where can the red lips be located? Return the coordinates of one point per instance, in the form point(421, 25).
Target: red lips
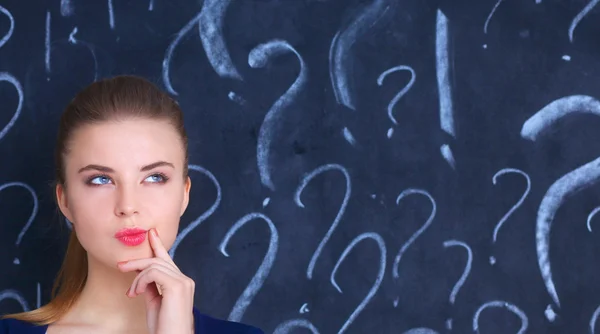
point(131, 236)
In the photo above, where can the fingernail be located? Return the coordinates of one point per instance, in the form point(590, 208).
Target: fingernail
point(121, 263)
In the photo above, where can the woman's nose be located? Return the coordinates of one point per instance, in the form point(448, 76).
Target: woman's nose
point(126, 202)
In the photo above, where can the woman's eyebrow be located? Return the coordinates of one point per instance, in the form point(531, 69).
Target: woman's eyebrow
point(156, 164)
point(110, 170)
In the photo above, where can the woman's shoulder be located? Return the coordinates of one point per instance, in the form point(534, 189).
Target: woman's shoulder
point(14, 326)
point(211, 325)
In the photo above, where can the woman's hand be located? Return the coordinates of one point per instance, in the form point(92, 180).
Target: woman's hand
point(168, 293)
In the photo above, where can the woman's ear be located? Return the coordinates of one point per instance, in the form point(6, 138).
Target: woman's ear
point(61, 200)
point(186, 195)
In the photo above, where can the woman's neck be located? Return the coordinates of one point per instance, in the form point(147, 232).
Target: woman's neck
point(103, 302)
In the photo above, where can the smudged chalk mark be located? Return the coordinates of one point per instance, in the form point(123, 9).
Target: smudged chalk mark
point(348, 136)
point(266, 202)
point(259, 278)
point(514, 207)
point(7, 36)
point(287, 326)
point(448, 155)
point(259, 58)
point(304, 308)
point(502, 304)
point(580, 16)
point(565, 187)
point(382, 261)
point(204, 215)
point(66, 8)
point(399, 95)
point(591, 216)
point(549, 313)
point(151, 5)
point(236, 98)
point(72, 39)
point(111, 15)
point(340, 59)
point(4, 76)
point(443, 74)
point(212, 17)
point(47, 40)
point(169, 53)
point(566, 58)
point(305, 181)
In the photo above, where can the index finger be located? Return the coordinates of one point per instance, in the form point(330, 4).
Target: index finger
point(158, 247)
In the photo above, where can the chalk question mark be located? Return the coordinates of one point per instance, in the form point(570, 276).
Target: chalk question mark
point(259, 58)
point(263, 270)
point(193, 225)
point(420, 231)
point(461, 281)
point(514, 207)
point(398, 96)
point(565, 187)
point(34, 211)
point(297, 198)
point(487, 21)
point(382, 261)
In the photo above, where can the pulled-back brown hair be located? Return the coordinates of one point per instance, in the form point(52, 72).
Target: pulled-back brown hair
point(118, 98)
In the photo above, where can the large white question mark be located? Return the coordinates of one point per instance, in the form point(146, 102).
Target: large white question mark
point(259, 57)
point(32, 216)
point(398, 96)
point(442, 68)
point(210, 25)
point(305, 181)
point(514, 207)
point(414, 237)
point(263, 271)
point(4, 76)
point(502, 304)
point(340, 59)
point(565, 187)
point(50, 45)
point(461, 281)
point(580, 16)
point(382, 263)
point(204, 215)
point(7, 36)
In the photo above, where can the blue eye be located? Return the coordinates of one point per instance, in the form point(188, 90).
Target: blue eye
point(99, 180)
point(157, 178)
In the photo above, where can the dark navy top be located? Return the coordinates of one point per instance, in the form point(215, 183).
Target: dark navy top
point(204, 324)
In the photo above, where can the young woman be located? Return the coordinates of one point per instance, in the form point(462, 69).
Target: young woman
point(122, 180)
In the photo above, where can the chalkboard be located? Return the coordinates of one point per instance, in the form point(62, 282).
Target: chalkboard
point(359, 166)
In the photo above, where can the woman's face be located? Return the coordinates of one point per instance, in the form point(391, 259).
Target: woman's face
point(125, 174)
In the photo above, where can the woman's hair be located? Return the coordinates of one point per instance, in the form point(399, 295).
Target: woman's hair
point(119, 98)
